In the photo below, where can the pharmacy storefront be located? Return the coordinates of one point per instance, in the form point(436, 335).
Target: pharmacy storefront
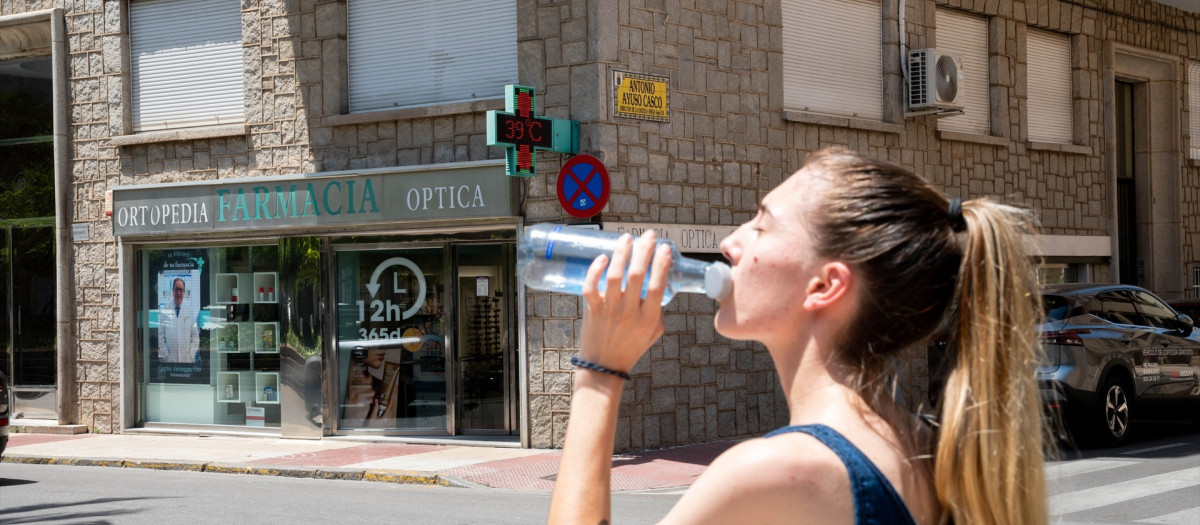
point(374, 302)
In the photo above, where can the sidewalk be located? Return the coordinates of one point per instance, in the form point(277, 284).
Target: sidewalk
point(395, 462)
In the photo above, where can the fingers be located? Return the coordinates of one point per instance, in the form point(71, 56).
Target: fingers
point(616, 268)
point(591, 282)
point(658, 274)
point(627, 268)
point(640, 258)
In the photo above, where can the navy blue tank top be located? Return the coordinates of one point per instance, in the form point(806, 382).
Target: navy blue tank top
point(875, 500)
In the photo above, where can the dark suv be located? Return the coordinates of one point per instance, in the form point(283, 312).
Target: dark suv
point(1111, 350)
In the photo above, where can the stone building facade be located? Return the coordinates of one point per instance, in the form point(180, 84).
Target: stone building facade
point(730, 139)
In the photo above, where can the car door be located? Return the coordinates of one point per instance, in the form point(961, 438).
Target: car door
point(1116, 306)
point(1174, 351)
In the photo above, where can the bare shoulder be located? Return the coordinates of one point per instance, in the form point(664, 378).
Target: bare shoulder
point(786, 478)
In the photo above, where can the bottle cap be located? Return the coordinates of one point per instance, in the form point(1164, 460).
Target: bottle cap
point(717, 281)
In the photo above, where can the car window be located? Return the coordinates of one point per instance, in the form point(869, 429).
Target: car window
point(1155, 312)
point(1057, 307)
point(1114, 307)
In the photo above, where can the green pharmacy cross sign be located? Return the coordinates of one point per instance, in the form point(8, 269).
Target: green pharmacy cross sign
point(522, 134)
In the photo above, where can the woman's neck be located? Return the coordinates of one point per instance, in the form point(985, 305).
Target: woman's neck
point(814, 384)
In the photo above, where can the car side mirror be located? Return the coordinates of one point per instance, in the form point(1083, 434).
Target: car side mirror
point(1185, 324)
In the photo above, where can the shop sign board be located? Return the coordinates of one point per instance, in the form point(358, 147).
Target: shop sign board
point(643, 97)
point(690, 238)
point(328, 199)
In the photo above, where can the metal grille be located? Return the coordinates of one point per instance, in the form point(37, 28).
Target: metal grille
point(917, 63)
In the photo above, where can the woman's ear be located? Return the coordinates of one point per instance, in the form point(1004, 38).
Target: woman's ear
point(829, 287)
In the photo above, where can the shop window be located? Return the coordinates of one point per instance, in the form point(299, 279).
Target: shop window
point(209, 336)
point(1048, 85)
point(186, 63)
point(429, 52)
point(833, 56)
point(27, 282)
point(1195, 274)
point(1063, 273)
point(391, 345)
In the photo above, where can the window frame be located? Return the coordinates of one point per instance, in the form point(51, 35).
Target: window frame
point(966, 123)
point(888, 111)
point(225, 119)
point(355, 109)
point(1193, 124)
point(1036, 128)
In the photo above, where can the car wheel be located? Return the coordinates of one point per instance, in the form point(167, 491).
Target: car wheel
point(1116, 404)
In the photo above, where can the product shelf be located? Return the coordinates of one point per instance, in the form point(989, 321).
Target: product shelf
point(229, 387)
point(262, 382)
point(266, 338)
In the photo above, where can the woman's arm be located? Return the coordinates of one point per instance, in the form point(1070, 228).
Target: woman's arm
point(618, 327)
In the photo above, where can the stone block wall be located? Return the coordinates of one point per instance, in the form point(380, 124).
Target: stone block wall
point(729, 141)
point(274, 142)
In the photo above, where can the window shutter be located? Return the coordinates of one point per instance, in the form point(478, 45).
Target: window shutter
point(833, 57)
point(431, 51)
point(186, 58)
point(1048, 86)
point(966, 35)
point(1194, 109)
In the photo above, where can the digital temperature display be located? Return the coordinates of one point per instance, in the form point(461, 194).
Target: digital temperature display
point(524, 131)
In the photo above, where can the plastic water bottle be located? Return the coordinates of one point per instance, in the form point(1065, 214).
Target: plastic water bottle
point(555, 258)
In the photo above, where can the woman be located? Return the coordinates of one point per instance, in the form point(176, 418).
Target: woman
point(848, 262)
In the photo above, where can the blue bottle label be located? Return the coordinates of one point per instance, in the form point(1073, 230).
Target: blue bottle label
point(550, 242)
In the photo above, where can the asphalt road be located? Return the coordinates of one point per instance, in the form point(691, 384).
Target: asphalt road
point(1154, 479)
point(95, 495)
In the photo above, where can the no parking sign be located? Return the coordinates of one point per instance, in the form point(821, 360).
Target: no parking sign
point(583, 186)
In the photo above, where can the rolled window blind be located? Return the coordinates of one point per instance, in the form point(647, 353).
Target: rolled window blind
point(966, 35)
point(1049, 86)
point(1194, 108)
point(186, 63)
point(432, 51)
point(833, 57)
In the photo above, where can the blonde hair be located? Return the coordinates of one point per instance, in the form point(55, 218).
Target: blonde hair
point(897, 232)
point(991, 416)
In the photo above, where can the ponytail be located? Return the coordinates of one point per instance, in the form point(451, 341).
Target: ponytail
point(989, 457)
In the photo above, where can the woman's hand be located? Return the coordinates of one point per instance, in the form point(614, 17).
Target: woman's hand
point(619, 325)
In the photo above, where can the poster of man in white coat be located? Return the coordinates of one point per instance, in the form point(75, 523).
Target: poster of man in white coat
point(178, 329)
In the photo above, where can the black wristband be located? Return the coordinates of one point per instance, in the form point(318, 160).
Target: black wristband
point(575, 360)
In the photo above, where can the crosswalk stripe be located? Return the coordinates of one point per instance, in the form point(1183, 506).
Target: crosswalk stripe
point(1184, 517)
point(1112, 493)
point(1086, 466)
point(1152, 449)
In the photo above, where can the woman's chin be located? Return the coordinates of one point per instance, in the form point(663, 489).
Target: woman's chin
point(725, 322)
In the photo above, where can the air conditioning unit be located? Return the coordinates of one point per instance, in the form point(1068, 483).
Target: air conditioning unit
point(934, 81)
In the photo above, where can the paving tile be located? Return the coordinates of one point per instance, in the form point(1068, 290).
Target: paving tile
point(447, 458)
point(20, 440)
point(350, 456)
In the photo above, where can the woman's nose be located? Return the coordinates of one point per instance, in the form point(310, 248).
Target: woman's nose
point(729, 248)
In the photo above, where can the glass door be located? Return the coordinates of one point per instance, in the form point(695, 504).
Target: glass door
point(391, 339)
point(484, 351)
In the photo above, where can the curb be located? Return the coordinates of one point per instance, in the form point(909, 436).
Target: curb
point(404, 477)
